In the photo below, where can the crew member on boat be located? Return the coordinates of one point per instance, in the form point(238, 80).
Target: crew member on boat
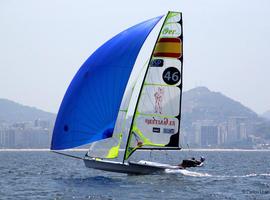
point(191, 162)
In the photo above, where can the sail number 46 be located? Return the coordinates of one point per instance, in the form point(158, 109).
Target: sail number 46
point(171, 75)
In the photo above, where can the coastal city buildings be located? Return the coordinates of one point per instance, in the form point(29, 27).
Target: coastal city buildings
point(236, 129)
point(208, 133)
point(234, 132)
point(26, 134)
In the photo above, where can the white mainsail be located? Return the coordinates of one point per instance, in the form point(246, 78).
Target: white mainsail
point(156, 120)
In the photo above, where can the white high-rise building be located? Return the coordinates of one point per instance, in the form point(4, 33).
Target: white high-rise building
point(236, 129)
point(222, 133)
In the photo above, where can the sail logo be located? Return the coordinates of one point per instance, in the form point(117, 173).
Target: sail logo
point(165, 122)
point(171, 30)
point(158, 100)
point(156, 130)
point(168, 130)
point(164, 130)
point(168, 31)
point(156, 63)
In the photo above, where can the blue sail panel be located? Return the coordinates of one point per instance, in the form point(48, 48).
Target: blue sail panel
point(90, 106)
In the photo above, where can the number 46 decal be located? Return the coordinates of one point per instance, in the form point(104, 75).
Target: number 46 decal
point(171, 75)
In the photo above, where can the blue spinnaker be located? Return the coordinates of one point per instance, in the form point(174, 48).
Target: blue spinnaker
point(91, 104)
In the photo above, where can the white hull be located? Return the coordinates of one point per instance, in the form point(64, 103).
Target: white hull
point(142, 167)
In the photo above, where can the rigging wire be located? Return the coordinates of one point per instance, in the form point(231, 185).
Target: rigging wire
point(64, 154)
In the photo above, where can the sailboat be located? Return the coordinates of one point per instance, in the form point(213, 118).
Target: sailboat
point(99, 109)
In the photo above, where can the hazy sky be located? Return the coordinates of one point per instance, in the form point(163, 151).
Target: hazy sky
point(43, 44)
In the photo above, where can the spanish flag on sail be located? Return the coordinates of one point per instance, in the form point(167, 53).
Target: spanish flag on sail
point(168, 47)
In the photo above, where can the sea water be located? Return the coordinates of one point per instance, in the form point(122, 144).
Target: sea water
point(225, 175)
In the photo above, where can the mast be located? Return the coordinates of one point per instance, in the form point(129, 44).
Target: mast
point(169, 73)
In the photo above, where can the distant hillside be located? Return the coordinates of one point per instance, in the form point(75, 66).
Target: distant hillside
point(266, 114)
point(15, 112)
point(203, 102)
point(200, 103)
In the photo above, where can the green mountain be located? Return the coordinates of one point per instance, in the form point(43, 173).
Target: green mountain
point(14, 112)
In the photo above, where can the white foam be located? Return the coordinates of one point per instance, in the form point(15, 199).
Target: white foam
point(157, 164)
point(264, 174)
point(247, 175)
point(187, 173)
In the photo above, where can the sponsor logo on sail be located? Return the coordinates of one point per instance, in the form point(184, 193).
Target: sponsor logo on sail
point(156, 130)
point(168, 130)
point(171, 30)
point(157, 63)
point(168, 31)
point(165, 122)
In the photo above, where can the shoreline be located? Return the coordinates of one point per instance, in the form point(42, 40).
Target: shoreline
point(80, 150)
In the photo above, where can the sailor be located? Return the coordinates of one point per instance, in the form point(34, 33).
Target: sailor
point(202, 159)
point(191, 162)
point(139, 144)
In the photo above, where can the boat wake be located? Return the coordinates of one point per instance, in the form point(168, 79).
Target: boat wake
point(199, 174)
point(187, 173)
point(244, 176)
